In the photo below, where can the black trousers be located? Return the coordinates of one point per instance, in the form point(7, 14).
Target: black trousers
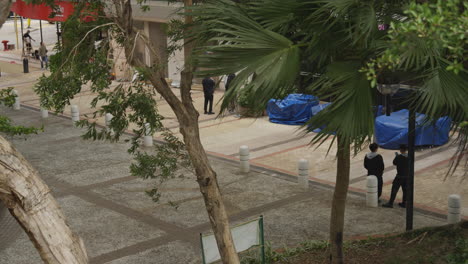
point(397, 183)
point(208, 99)
point(379, 185)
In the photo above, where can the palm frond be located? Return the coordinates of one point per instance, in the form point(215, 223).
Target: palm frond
point(350, 114)
point(281, 16)
point(444, 94)
point(266, 60)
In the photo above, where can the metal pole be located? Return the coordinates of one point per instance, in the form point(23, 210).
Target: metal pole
point(58, 33)
point(16, 31)
point(40, 27)
point(410, 179)
point(388, 107)
point(262, 240)
point(22, 33)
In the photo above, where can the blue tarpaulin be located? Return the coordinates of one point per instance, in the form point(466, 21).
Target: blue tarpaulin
point(292, 110)
point(391, 131)
point(314, 110)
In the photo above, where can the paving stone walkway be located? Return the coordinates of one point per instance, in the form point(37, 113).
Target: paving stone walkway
point(277, 147)
point(119, 224)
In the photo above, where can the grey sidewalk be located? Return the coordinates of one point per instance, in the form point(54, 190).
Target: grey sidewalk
point(120, 224)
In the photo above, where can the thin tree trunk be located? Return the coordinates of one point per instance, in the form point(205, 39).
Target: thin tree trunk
point(207, 180)
point(30, 202)
point(339, 203)
point(4, 10)
point(206, 176)
point(187, 116)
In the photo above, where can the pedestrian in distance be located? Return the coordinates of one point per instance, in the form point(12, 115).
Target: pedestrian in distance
point(401, 163)
point(208, 90)
point(230, 77)
point(43, 56)
point(27, 39)
point(374, 164)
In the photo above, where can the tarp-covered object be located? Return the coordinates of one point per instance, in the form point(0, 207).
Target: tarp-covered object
point(391, 131)
point(314, 110)
point(292, 110)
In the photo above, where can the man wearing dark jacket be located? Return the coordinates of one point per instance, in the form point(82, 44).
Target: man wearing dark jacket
point(208, 91)
point(230, 77)
point(374, 164)
point(401, 162)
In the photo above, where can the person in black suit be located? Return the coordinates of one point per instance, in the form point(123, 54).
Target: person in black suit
point(374, 164)
point(230, 77)
point(401, 162)
point(208, 90)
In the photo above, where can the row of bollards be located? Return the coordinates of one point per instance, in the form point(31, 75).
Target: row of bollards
point(454, 201)
point(302, 167)
point(17, 105)
point(75, 116)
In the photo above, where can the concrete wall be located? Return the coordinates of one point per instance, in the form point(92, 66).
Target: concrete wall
point(158, 36)
point(160, 11)
point(154, 24)
point(175, 65)
point(140, 45)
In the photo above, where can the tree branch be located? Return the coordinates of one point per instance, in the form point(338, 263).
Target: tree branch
point(29, 200)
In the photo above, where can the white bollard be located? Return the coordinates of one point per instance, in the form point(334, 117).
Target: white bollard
point(303, 173)
point(17, 104)
point(244, 157)
point(75, 113)
point(44, 113)
point(108, 119)
point(148, 139)
point(372, 191)
point(454, 209)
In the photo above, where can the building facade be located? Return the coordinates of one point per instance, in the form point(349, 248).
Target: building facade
point(154, 23)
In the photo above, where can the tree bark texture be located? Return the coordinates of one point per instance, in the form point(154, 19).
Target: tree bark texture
point(208, 183)
point(4, 10)
point(187, 115)
point(30, 202)
point(339, 203)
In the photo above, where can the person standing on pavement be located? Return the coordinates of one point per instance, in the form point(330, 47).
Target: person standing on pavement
point(230, 77)
point(401, 163)
point(374, 164)
point(27, 39)
point(208, 90)
point(43, 54)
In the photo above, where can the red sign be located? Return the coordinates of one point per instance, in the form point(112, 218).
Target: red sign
point(42, 11)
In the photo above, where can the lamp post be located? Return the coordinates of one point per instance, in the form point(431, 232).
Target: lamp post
point(388, 90)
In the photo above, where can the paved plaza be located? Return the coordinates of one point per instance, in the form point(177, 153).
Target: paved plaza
point(119, 224)
point(274, 146)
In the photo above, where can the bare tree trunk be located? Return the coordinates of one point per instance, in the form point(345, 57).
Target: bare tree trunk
point(339, 203)
point(4, 10)
point(187, 116)
point(30, 202)
point(206, 176)
point(209, 188)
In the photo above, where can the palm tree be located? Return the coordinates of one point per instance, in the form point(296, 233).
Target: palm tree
point(274, 40)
